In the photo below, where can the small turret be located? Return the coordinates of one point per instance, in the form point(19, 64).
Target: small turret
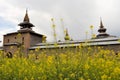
point(102, 31)
point(67, 37)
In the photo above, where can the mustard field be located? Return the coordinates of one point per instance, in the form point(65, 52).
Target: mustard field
point(83, 64)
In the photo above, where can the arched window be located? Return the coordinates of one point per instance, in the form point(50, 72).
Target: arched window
point(8, 40)
point(9, 55)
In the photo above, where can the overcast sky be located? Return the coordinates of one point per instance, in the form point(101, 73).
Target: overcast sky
point(77, 15)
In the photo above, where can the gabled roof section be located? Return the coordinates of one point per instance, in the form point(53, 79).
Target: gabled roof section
point(22, 32)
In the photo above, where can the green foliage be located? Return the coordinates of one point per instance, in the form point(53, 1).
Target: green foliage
point(62, 64)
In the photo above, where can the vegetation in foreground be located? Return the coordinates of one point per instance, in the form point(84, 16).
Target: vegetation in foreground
point(69, 65)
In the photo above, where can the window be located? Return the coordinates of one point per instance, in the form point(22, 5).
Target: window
point(8, 40)
point(22, 40)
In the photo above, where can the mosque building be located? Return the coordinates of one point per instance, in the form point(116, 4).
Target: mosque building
point(26, 39)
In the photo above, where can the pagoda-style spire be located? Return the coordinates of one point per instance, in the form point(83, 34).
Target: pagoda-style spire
point(26, 25)
point(26, 18)
point(102, 31)
point(67, 37)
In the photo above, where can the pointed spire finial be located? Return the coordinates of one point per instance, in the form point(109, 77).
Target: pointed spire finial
point(26, 10)
point(67, 32)
point(101, 24)
point(26, 18)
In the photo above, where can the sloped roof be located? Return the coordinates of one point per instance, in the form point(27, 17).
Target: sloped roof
point(90, 42)
point(24, 31)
